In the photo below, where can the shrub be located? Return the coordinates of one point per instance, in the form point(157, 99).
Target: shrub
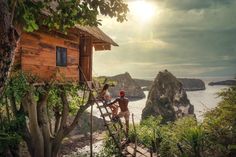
point(215, 136)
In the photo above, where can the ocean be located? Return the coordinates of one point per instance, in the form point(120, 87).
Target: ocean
point(203, 101)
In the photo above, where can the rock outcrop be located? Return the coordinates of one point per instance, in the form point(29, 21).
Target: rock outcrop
point(192, 84)
point(225, 83)
point(188, 84)
point(144, 84)
point(83, 127)
point(167, 98)
point(125, 82)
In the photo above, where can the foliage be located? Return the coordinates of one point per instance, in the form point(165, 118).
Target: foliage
point(147, 131)
point(103, 80)
point(215, 136)
point(109, 149)
point(57, 101)
point(11, 127)
point(65, 14)
point(8, 140)
point(17, 86)
point(220, 124)
point(10, 131)
point(166, 138)
point(72, 91)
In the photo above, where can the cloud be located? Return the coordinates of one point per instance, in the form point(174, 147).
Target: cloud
point(192, 4)
point(190, 38)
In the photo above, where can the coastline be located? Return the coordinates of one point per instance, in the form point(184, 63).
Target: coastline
point(202, 100)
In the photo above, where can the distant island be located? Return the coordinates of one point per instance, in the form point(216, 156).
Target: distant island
point(127, 83)
point(134, 87)
point(189, 84)
point(226, 83)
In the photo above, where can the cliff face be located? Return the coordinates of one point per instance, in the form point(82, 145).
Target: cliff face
point(167, 98)
point(192, 84)
point(125, 82)
point(188, 84)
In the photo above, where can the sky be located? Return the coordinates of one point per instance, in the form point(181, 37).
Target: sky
point(190, 38)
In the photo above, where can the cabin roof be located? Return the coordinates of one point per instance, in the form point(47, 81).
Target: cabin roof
point(102, 42)
point(97, 33)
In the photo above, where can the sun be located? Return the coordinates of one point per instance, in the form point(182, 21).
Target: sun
point(143, 10)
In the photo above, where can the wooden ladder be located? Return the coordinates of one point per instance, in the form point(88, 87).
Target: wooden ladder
point(115, 129)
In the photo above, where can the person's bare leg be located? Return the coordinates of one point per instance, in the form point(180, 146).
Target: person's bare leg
point(115, 110)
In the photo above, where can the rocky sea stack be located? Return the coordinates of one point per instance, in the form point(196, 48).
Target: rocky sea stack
point(192, 84)
point(167, 98)
point(189, 84)
point(125, 82)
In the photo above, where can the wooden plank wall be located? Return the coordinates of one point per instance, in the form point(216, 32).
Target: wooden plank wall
point(39, 56)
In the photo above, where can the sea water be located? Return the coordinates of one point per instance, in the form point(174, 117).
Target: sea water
point(203, 101)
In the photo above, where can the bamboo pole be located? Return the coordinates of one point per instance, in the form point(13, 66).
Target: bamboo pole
point(91, 132)
point(135, 147)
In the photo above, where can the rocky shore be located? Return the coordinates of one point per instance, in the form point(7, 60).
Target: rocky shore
point(225, 83)
point(77, 145)
point(80, 136)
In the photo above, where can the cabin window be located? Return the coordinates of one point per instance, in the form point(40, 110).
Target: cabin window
point(61, 56)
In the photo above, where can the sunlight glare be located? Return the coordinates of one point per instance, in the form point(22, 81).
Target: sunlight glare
point(142, 10)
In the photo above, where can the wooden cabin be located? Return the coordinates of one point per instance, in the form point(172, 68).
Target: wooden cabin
point(55, 55)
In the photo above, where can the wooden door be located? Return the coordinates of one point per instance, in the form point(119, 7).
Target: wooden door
point(85, 58)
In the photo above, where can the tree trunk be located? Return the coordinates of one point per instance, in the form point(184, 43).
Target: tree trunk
point(44, 124)
point(7, 43)
point(35, 131)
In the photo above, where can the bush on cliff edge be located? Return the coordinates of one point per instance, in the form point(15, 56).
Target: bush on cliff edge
point(215, 136)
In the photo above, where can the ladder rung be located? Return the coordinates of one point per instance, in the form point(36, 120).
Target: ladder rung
point(101, 106)
point(131, 150)
point(110, 123)
point(115, 133)
point(106, 114)
point(90, 84)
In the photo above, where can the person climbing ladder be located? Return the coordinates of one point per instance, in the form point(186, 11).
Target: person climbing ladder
point(124, 111)
point(105, 96)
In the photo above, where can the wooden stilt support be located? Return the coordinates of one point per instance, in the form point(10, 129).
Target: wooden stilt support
point(135, 147)
point(91, 131)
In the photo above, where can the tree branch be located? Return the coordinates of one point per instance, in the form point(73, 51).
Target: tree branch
point(57, 116)
point(79, 113)
point(44, 122)
point(65, 111)
point(35, 132)
point(13, 11)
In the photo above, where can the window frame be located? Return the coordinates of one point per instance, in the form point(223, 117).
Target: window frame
point(59, 51)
